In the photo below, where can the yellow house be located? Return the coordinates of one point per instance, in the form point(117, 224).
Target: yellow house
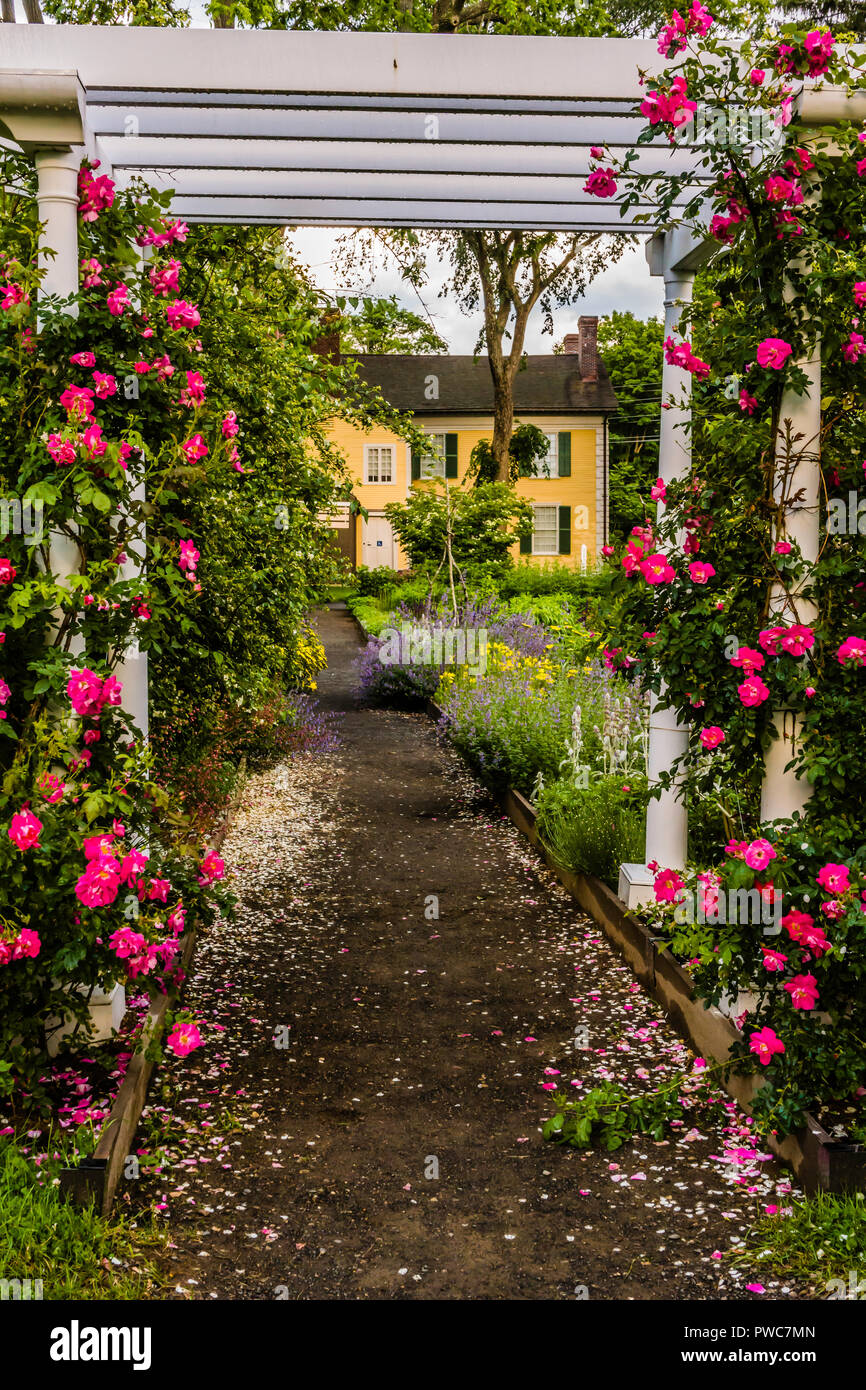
point(568, 395)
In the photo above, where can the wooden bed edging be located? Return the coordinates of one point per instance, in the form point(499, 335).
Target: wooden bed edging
point(95, 1178)
point(819, 1162)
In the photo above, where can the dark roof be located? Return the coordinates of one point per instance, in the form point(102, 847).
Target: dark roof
point(546, 385)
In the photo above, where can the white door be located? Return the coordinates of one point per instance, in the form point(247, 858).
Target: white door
point(377, 542)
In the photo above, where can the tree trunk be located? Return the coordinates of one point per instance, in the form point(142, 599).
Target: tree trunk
point(32, 11)
point(503, 415)
point(7, 11)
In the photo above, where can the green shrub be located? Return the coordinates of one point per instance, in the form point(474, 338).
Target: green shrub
point(370, 612)
point(380, 582)
point(594, 829)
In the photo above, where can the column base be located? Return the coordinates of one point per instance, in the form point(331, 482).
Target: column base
point(636, 885)
point(106, 1015)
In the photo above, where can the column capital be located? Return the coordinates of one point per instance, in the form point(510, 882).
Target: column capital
point(42, 110)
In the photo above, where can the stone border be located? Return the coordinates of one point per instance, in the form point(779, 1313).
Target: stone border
point(96, 1177)
point(819, 1162)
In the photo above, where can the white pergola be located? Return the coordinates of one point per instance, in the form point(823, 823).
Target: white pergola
point(417, 130)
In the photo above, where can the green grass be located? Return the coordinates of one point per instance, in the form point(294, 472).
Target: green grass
point(76, 1253)
point(823, 1238)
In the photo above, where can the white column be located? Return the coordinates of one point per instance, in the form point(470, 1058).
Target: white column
point(132, 669)
point(57, 197)
point(783, 793)
point(57, 200)
point(667, 816)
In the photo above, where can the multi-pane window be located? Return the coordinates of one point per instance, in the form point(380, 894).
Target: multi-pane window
point(380, 463)
point(548, 467)
point(433, 462)
point(545, 531)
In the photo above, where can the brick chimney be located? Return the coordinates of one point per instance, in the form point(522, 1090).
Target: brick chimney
point(587, 335)
point(571, 343)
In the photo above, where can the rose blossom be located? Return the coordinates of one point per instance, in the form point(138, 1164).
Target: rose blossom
point(773, 352)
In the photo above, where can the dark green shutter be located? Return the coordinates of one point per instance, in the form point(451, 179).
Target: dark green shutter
point(526, 542)
point(416, 466)
point(451, 456)
point(564, 529)
point(565, 454)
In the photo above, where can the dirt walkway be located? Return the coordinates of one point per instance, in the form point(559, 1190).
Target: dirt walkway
point(392, 1149)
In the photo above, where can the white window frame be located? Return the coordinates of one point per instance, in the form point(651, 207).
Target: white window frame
point(551, 507)
point(438, 469)
point(377, 449)
point(551, 464)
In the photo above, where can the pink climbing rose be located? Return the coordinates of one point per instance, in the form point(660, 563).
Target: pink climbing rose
point(797, 639)
point(770, 639)
point(773, 960)
point(834, 877)
point(165, 278)
point(183, 1039)
point(194, 449)
point(99, 885)
point(88, 693)
point(759, 853)
point(212, 868)
point(601, 183)
point(765, 1044)
point(748, 660)
point(774, 352)
point(852, 649)
point(753, 692)
point(803, 990)
point(193, 393)
point(230, 425)
point(666, 885)
point(189, 556)
point(77, 401)
point(105, 385)
point(656, 570)
point(118, 301)
point(25, 829)
point(27, 944)
point(712, 736)
point(701, 572)
point(180, 314)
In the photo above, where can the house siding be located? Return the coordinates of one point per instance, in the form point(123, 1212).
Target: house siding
point(582, 491)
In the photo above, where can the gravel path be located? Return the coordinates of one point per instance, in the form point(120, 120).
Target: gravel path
point(365, 1119)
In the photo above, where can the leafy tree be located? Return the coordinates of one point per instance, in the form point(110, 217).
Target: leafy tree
point(503, 274)
point(632, 352)
point(383, 326)
point(484, 523)
point(164, 14)
point(842, 17)
point(260, 527)
point(527, 447)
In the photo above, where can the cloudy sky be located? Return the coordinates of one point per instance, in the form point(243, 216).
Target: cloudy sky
point(627, 285)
